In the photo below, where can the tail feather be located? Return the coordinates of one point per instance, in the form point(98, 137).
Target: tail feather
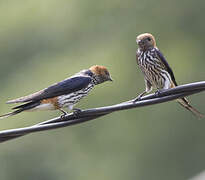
point(25, 98)
point(11, 114)
point(184, 102)
point(27, 106)
point(20, 109)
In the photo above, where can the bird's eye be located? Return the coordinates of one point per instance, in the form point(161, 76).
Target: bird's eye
point(107, 73)
point(149, 39)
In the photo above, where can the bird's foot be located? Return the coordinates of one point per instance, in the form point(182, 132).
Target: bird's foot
point(76, 111)
point(63, 115)
point(138, 98)
point(158, 92)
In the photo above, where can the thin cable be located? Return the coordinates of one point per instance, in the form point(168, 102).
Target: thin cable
point(90, 114)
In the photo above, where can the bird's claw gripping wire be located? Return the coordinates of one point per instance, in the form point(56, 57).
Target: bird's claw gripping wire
point(139, 97)
point(158, 92)
point(64, 114)
point(76, 112)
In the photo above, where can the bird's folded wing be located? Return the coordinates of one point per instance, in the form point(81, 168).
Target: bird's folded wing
point(64, 87)
point(164, 61)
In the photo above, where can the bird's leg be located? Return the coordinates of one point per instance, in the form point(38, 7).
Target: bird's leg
point(76, 111)
point(64, 113)
point(147, 90)
point(138, 98)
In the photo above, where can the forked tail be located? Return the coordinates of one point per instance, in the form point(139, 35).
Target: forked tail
point(10, 114)
point(184, 102)
point(21, 108)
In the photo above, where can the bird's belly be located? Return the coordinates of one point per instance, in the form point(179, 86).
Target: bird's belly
point(43, 107)
point(69, 100)
point(159, 79)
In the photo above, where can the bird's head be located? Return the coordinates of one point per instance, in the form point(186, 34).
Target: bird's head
point(101, 74)
point(146, 41)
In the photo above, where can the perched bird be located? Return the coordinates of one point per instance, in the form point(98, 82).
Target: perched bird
point(157, 72)
point(66, 93)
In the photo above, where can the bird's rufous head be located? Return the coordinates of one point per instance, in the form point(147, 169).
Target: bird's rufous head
point(101, 73)
point(146, 41)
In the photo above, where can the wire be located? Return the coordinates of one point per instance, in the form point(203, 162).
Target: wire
point(91, 114)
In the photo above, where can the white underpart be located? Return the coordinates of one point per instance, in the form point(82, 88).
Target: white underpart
point(70, 107)
point(162, 79)
point(167, 82)
point(70, 100)
point(43, 107)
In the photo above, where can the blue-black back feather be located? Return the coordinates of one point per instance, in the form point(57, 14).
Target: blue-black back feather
point(64, 87)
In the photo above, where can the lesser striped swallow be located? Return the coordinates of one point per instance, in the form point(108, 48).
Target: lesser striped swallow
point(66, 93)
point(157, 72)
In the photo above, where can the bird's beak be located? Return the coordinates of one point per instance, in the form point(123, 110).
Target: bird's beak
point(110, 79)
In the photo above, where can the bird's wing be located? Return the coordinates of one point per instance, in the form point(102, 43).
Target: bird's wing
point(64, 87)
point(168, 68)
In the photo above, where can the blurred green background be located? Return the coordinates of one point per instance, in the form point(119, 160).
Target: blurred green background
point(42, 42)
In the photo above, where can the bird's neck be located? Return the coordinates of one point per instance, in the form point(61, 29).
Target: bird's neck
point(88, 73)
point(95, 80)
point(144, 50)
